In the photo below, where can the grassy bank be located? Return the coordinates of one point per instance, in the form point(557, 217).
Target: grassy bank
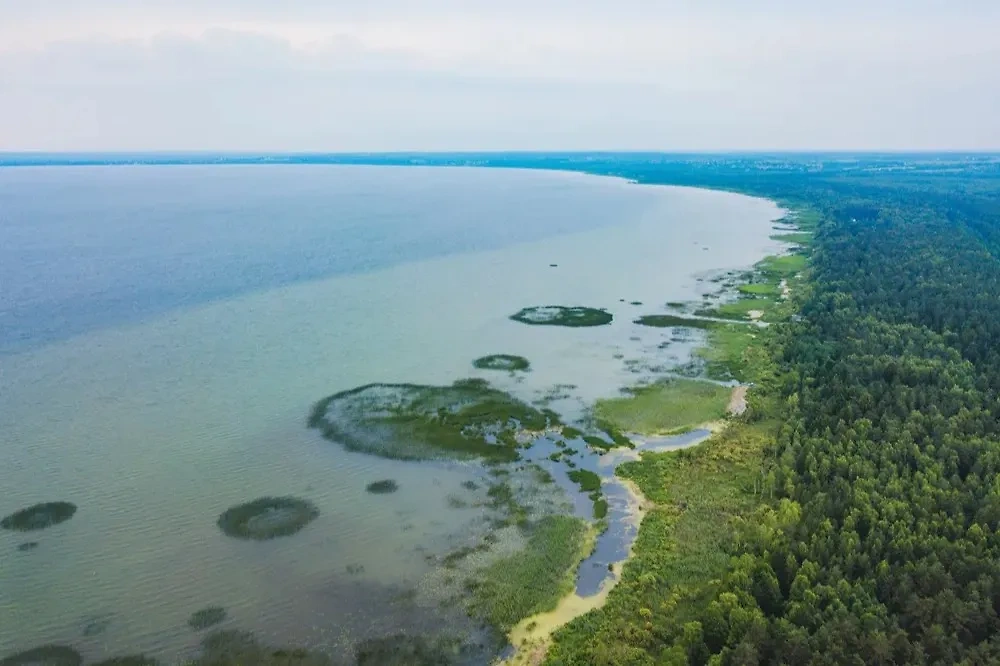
point(665, 407)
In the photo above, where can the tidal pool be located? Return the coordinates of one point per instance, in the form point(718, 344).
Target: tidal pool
point(155, 421)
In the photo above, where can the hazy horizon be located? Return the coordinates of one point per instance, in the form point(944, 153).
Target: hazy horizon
point(383, 76)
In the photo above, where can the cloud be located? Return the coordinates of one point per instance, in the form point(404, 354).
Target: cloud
point(385, 75)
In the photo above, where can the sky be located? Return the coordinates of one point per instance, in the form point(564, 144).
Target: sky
point(453, 75)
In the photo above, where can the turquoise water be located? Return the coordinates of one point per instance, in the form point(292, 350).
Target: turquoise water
point(166, 330)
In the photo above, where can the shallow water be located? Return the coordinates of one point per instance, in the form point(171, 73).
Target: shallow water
point(155, 378)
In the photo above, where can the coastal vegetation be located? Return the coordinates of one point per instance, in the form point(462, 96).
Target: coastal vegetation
point(207, 617)
point(561, 315)
point(38, 516)
point(267, 518)
point(509, 362)
point(45, 655)
point(414, 422)
point(665, 407)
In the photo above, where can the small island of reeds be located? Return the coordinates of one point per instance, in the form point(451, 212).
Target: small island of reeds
point(383, 487)
point(467, 419)
point(507, 362)
point(562, 315)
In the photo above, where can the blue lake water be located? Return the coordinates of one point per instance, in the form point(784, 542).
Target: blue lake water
point(165, 330)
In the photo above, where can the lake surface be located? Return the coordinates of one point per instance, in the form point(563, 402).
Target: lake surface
point(165, 330)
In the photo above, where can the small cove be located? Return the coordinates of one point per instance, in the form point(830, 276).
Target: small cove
point(155, 427)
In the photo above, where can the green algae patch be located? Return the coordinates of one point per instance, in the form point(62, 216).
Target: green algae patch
point(665, 407)
point(207, 617)
point(675, 321)
point(468, 419)
point(383, 487)
point(533, 580)
point(39, 516)
point(508, 362)
point(45, 655)
point(267, 518)
point(561, 315)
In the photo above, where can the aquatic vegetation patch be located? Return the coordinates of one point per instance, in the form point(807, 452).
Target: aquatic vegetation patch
point(207, 617)
point(665, 407)
point(39, 516)
point(128, 660)
point(231, 647)
point(45, 655)
point(508, 362)
point(414, 422)
point(383, 487)
point(588, 481)
point(600, 508)
point(675, 321)
point(561, 315)
point(531, 581)
point(267, 518)
point(407, 650)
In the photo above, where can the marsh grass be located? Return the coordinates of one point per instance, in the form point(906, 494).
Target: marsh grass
point(531, 581)
point(665, 407)
point(267, 518)
point(735, 352)
point(38, 516)
point(562, 315)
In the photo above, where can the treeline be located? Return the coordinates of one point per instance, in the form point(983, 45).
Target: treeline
point(884, 468)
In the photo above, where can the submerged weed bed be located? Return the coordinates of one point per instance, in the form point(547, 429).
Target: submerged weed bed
point(665, 407)
point(562, 315)
point(207, 617)
point(267, 518)
point(413, 422)
point(45, 655)
point(39, 516)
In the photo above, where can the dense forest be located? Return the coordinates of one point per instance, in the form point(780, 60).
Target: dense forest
point(876, 539)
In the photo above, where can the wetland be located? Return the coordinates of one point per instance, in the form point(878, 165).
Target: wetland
point(407, 476)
